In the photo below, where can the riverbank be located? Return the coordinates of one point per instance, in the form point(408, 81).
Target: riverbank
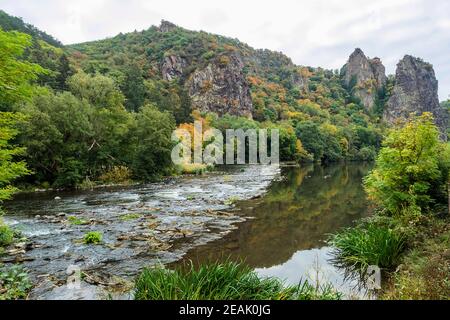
point(408, 239)
point(423, 273)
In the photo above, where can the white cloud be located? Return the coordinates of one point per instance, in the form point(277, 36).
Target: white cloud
point(318, 33)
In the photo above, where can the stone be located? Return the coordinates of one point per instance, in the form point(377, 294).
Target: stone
point(365, 76)
point(167, 26)
point(415, 91)
point(172, 67)
point(221, 87)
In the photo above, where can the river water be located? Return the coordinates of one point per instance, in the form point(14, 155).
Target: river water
point(276, 220)
point(287, 237)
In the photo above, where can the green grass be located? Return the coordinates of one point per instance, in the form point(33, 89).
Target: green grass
point(77, 221)
point(367, 245)
point(221, 281)
point(131, 216)
point(425, 269)
point(231, 201)
point(14, 283)
point(93, 237)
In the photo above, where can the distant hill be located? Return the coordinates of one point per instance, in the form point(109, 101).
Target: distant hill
point(8, 23)
point(220, 74)
point(45, 51)
point(337, 114)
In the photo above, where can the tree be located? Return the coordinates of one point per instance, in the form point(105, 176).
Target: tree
point(57, 136)
point(412, 168)
point(9, 169)
point(170, 96)
point(97, 90)
point(152, 143)
point(64, 72)
point(133, 88)
point(15, 85)
point(16, 75)
point(308, 132)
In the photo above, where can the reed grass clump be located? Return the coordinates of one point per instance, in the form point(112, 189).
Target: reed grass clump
point(221, 281)
point(367, 245)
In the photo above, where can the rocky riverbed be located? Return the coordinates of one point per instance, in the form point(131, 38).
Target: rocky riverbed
point(141, 226)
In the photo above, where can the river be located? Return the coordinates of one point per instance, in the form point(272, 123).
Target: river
point(276, 220)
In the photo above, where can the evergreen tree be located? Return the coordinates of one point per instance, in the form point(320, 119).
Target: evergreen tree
point(133, 88)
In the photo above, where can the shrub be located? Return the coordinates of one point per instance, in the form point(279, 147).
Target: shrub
point(194, 168)
point(425, 270)
point(367, 245)
point(224, 61)
point(411, 169)
point(366, 154)
point(6, 235)
point(93, 237)
point(227, 281)
point(14, 283)
point(117, 174)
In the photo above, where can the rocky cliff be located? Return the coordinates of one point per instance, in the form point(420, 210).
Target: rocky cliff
point(221, 87)
point(364, 77)
point(172, 67)
point(415, 91)
point(218, 85)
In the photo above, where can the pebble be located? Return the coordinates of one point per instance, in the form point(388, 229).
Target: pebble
point(57, 198)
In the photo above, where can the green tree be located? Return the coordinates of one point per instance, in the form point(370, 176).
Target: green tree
point(97, 90)
point(308, 132)
point(109, 118)
point(152, 143)
point(16, 75)
point(15, 85)
point(133, 88)
point(170, 96)
point(64, 72)
point(57, 136)
point(412, 168)
point(9, 169)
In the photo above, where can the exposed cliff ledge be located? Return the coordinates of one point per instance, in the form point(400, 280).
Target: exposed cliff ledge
point(415, 91)
point(172, 67)
point(221, 87)
point(365, 77)
point(167, 26)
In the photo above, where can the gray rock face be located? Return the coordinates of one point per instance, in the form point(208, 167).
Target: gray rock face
point(379, 71)
point(172, 67)
point(415, 91)
point(221, 87)
point(367, 76)
point(167, 26)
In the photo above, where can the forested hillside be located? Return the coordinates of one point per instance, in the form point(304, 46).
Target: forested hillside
point(170, 67)
point(43, 50)
point(104, 110)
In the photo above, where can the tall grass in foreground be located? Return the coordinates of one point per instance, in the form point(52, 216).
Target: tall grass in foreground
point(227, 281)
point(367, 245)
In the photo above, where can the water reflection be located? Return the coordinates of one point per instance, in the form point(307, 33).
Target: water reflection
point(292, 221)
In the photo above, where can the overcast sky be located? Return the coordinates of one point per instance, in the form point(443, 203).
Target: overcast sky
point(316, 33)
